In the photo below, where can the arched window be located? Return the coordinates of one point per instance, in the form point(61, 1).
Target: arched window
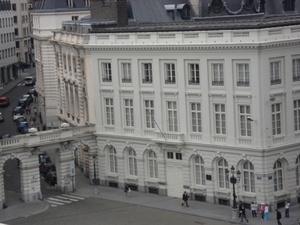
point(248, 173)
point(199, 170)
point(113, 160)
point(278, 176)
point(298, 170)
point(222, 166)
point(132, 162)
point(152, 162)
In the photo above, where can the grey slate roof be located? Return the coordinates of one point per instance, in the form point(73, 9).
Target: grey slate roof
point(59, 5)
point(147, 11)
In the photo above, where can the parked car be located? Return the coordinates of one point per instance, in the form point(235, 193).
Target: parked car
point(16, 116)
point(50, 178)
point(28, 98)
point(4, 101)
point(46, 167)
point(24, 65)
point(5, 136)
point(18, 109)
point(23, 127)
point(30, 80)
point(32, 91)
point(20, 120)
point(1, 117)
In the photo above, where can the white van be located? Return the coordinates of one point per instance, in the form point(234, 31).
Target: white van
point(29, 80)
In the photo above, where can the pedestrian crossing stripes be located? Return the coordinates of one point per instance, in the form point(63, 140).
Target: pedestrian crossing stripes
point(63, 199)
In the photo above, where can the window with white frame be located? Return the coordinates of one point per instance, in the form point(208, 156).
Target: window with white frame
point(217, 74)
point(147, 73)
point(170, 73)
point(132, 162)
point(278, 176)
point(129, 119)
point(109, 110)
point(70, 3)
point(296, 70)
point(153, 166)
point(245, 129)
point(297, 115)
point(220, 118)
point(194, 74)
point(106, 72)
point(172, 116)
point(248, 174)
point(275, 72)
point(276, 119)
point(149, 113)
point(196, 117)
point(298, 170)
point(87, 2)
point(243, 74)
point(113, 168)
point(223, 180)
point(199, 170)
point(126, 72)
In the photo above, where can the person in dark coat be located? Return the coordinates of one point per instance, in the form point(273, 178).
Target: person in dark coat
point(185, 198)
point(278, 217)
point(243, 214)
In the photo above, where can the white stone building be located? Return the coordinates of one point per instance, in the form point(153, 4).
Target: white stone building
point(7, 44)
point(180, 99)
point(47, 17)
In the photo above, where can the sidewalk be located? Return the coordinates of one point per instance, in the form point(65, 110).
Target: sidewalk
point(196, 208)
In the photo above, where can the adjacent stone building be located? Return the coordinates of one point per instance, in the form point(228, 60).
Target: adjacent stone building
point(181, 91)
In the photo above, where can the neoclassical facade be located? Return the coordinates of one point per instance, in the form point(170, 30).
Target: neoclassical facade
point(175, 107)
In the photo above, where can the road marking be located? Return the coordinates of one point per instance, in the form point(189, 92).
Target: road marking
point(73, 196)
point(74, 200)
point(57, 203)
point(59, 200)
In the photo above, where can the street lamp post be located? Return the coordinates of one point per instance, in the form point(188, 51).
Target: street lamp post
point(234, 180)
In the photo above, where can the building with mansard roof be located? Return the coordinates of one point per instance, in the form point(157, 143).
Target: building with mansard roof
point(181, 92)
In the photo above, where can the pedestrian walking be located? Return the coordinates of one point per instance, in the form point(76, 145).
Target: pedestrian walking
point(266, 212)
point(287, 208)
point(278, 217)
point(38, 127)
point(34, 110)
point(243, 213)
point(127, 190)
point(253, 209)
point(262, 211)
point(185, 198)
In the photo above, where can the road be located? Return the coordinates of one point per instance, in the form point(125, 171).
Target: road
point(105, 212)
point(9, 126)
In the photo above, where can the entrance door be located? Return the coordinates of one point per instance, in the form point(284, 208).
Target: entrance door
point(174, 180)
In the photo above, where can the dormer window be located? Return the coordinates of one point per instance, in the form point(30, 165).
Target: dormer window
point(184, 10)
point(170, 9)
point(87, 2)
point(289, 5)
point(70, 3)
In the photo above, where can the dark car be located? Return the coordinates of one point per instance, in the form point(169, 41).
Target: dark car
point(24, 65)
point(46, 168)
point(23, 127)
point(28, 98)
point(32, 91)
point(1, 117)
point(5, 136)
point(50, 178)
point(20, 119)
point(22, 102)
point(4, 101)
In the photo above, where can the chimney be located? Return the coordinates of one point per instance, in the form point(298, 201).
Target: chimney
point(110, 10)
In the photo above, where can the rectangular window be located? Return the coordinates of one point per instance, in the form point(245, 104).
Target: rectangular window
point(17, 44)
point(245, 128)
point(243, 75)
point(276, 119)
point(275, 73)
point(178, 156)
point(170, 73)
point(194, 74)
point(16, 32)
point(129, 119)
point(170, 155)
point(75, 17)
point(126, 72)
point(22, 6)
point(14, 7)
point(297, 115)
point(109, 108)
point(15, 19)
point(149, 110)
point(296, 70)
point(217, 74)
point(147, 73)
point(220, 118)
point(172, 116)
point(196, 117)
point(106, 72)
